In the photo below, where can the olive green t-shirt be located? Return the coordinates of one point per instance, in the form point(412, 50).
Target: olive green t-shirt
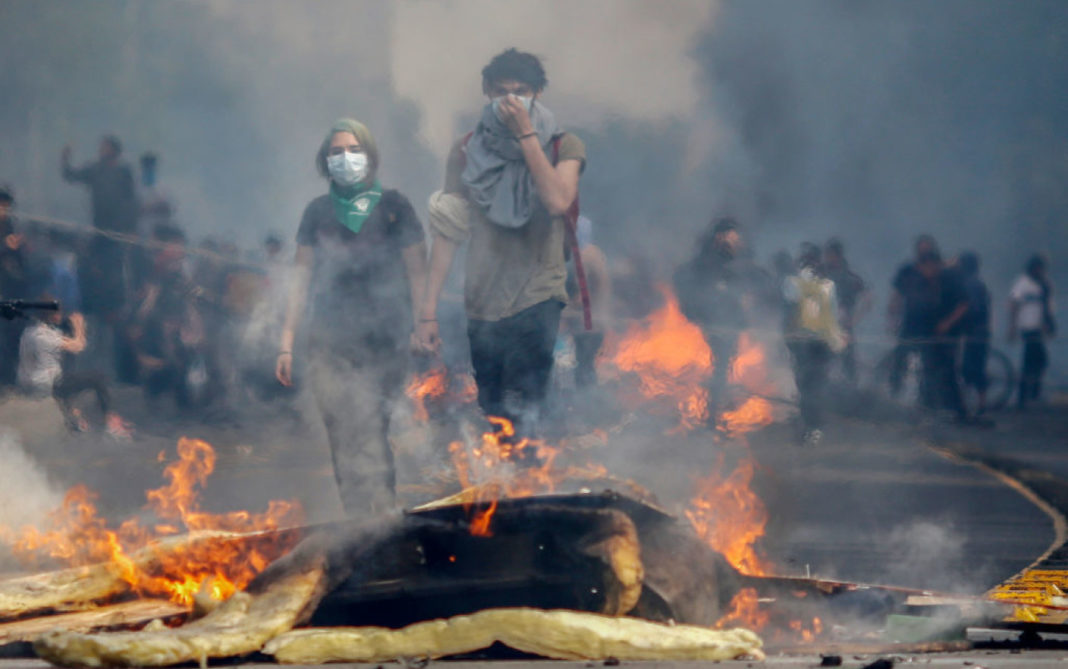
point(511, 269)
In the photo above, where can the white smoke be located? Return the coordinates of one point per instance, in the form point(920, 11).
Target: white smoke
point(604, 58)
point(26, 494)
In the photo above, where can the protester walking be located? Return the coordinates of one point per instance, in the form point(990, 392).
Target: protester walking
point(509, 186)
point(716, 289)
point(854, 299)
point(361, 263)
point(813, 335)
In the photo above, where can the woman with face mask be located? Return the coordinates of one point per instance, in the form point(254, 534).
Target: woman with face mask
point(359, 273)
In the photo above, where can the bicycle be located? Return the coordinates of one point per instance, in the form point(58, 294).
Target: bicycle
point(1000, 372)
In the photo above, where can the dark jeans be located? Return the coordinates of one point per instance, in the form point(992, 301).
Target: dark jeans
point(724, 346)
point(812, 359)
point(940, 377)
point(72, 384)
point(513, 360)
point(1035, 359)
point(587, 344)
point(973, 364)
point(847, 358)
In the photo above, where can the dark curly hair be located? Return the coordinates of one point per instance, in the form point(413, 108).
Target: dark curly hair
point(518, 65)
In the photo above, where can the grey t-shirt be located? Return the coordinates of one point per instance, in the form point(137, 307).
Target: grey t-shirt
point(360, 297)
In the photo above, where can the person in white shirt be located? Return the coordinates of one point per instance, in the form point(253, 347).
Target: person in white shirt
point(40, 372)
point(1031, 317)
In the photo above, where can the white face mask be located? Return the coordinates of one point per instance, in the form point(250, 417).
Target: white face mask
point(347, 169)
point(527, 102)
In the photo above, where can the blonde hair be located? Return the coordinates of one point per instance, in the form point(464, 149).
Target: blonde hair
point(362, 134)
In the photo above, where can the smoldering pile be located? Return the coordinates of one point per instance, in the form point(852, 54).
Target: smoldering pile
point(585, 576)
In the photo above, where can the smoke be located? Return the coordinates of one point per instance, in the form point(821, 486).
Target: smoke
point(605, 58)
point(929, 552)
point(878, 121)
point(26, 493)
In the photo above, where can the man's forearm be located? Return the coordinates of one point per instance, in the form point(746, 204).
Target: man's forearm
point(415, 263)
point(954, 317)
point(442, 252)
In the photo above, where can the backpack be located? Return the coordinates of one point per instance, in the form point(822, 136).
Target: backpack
point(815, 312)
point(571, 227)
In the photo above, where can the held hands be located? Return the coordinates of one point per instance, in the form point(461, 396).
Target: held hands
point(425, 339)
point(283, 369)
point(514, 115)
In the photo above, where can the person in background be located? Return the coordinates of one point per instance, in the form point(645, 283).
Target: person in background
point(106, 268)
point(361, 262)
point(906, 308)
point(715, 289)
point(1031, 317)
point(587, 344)
point(508, 188)
point(938, 307)
point(812, 331)
point(156, 210)
point(41, 371)
point(164, 325)
point(854, 300)
point(13, 284)
point(975, 327)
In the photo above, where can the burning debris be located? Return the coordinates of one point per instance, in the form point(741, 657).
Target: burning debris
point(157, 560)
point(604, 555)
point(524, 554)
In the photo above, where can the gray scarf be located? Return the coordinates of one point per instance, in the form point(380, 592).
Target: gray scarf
point(497, 178)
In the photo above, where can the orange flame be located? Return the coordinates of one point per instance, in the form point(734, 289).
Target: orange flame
point(77, 536)
point(671, 359)
point(501, 466)
point(730, 518)
point(672, 363)
point(755, 412)
point(431, 386)
point(807, 634)
point(744, 611)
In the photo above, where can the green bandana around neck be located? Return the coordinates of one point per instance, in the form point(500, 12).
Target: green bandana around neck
point(353, 206)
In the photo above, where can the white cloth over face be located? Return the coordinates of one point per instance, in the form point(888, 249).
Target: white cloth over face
point(496, 175)
point(40, 358)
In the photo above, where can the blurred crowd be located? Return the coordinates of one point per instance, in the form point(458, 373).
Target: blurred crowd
point(198, 324)
point(139, 304)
